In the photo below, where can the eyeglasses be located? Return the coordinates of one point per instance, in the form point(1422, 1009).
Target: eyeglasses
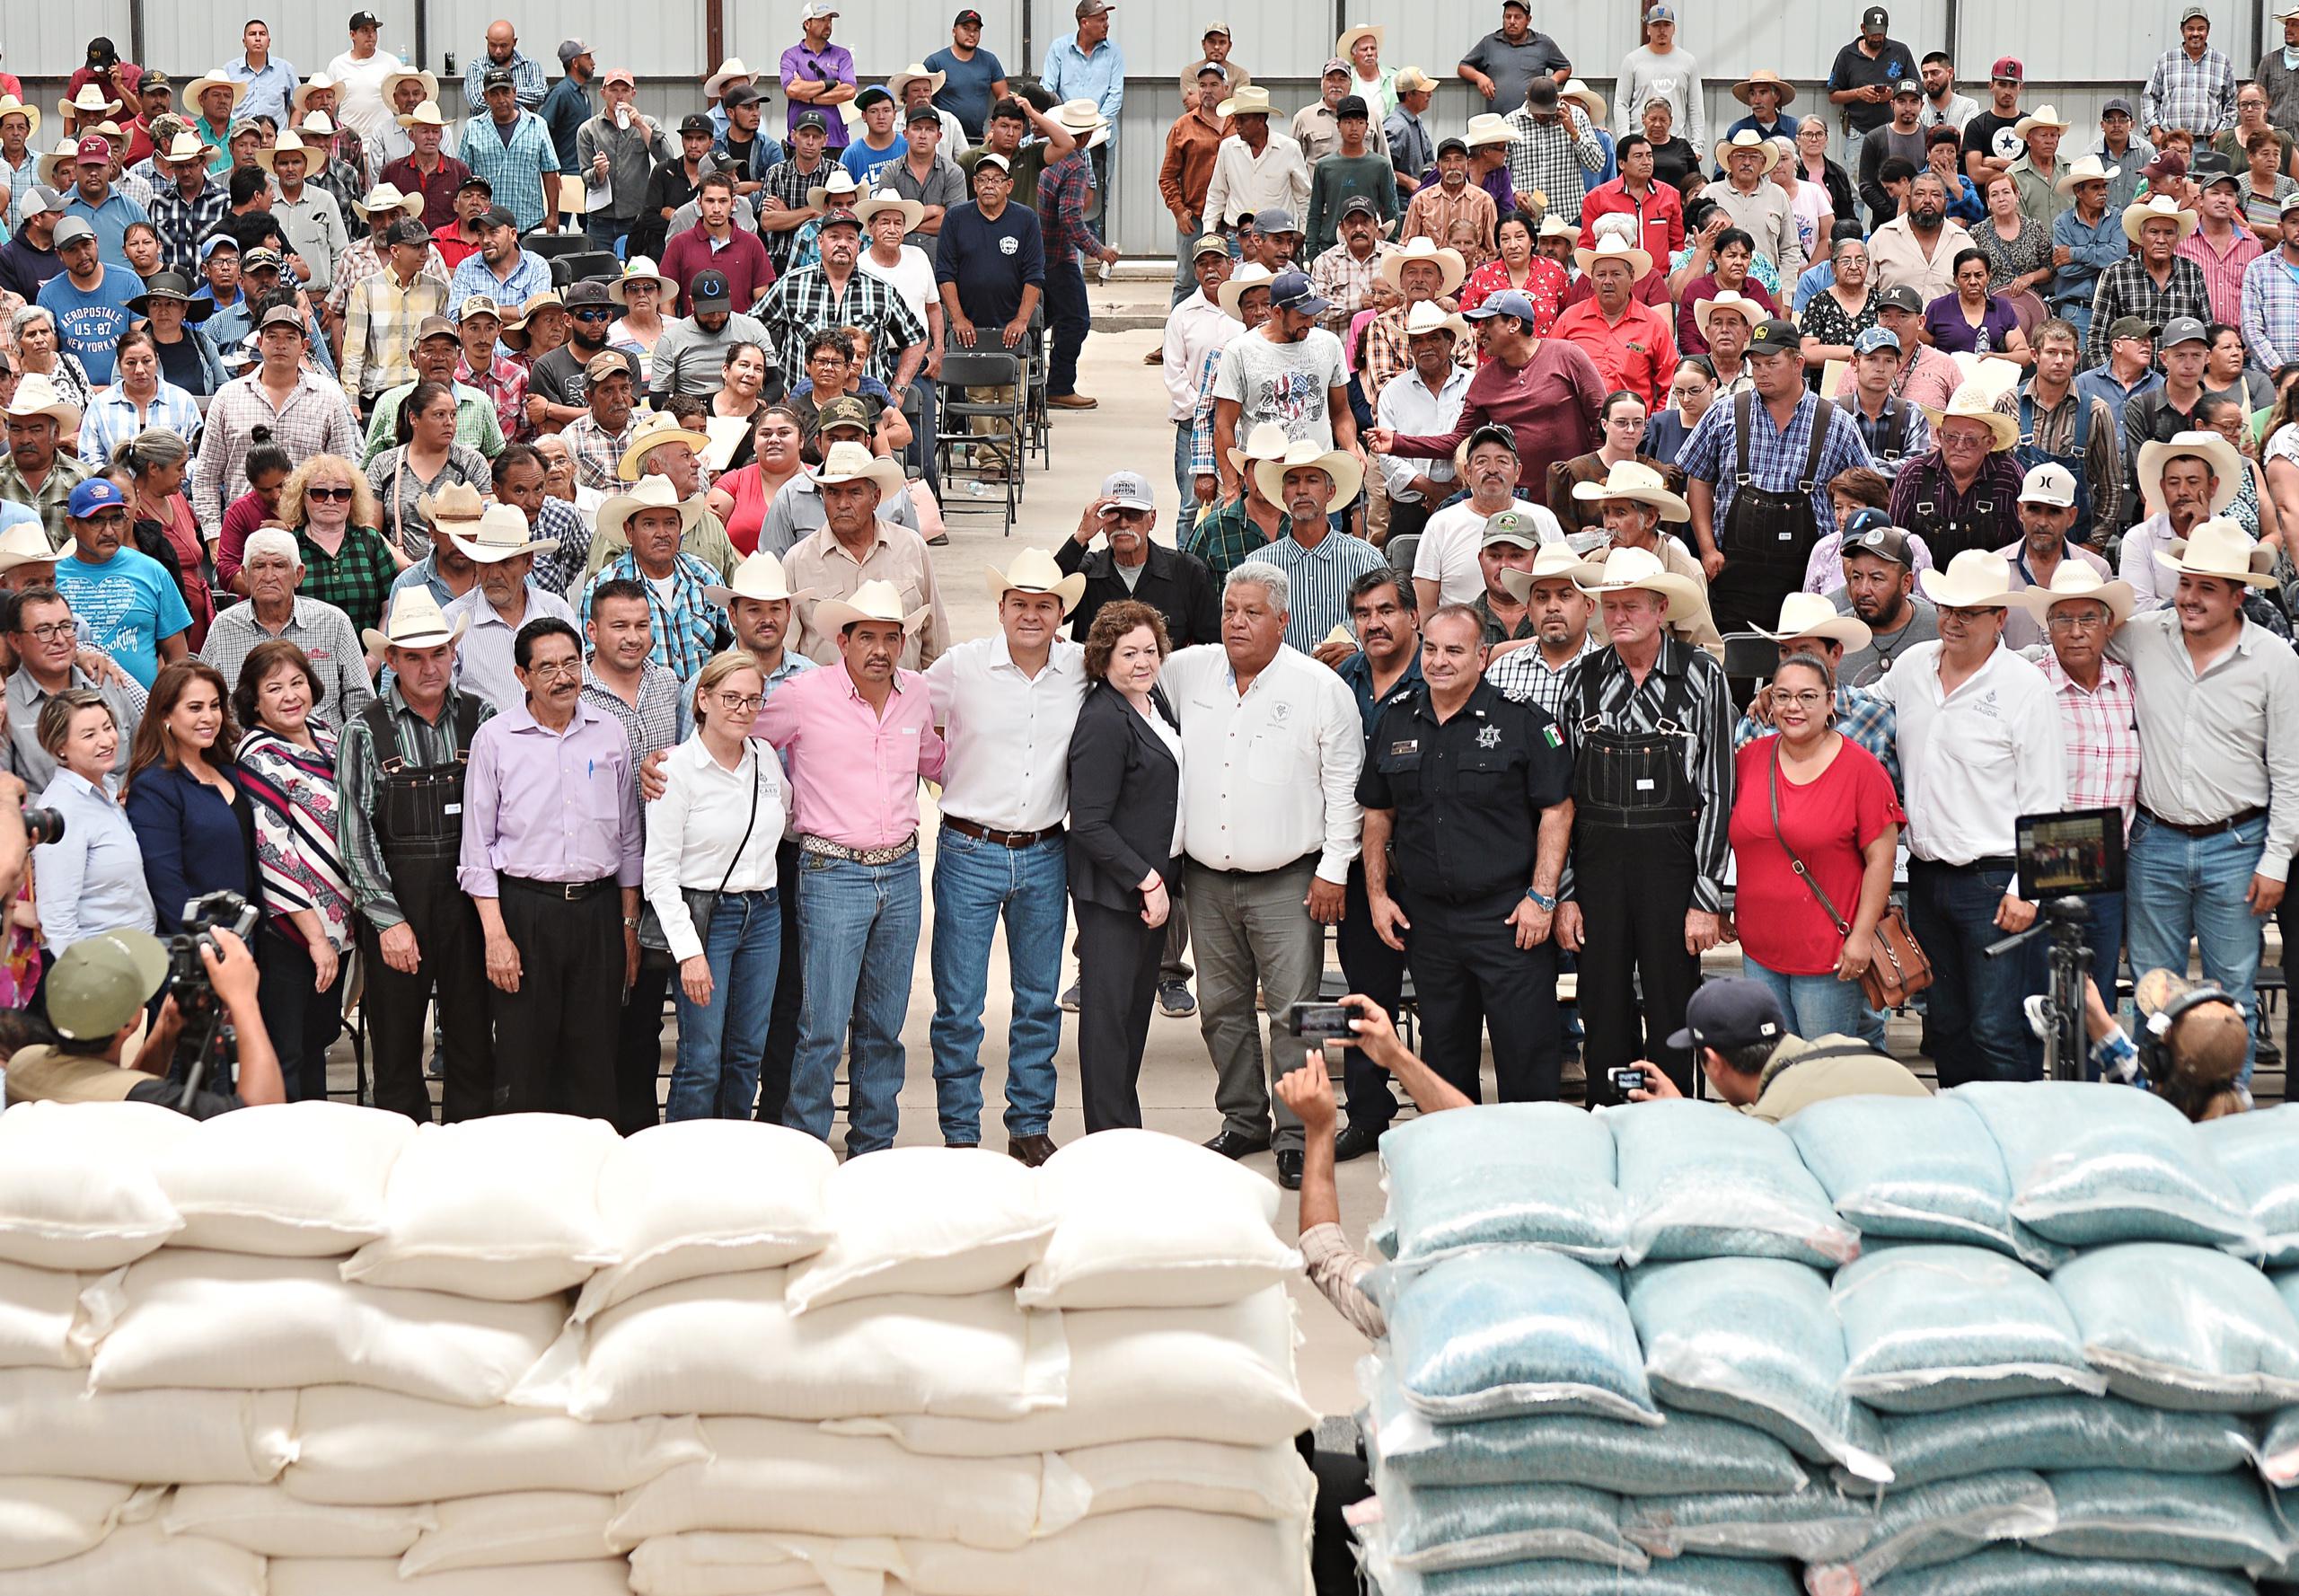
point(542, 672)
point(2094, 621)
point(1805, 698)
point(329, 495)
point(742, 703)
point(67, 629)
point(106, 517)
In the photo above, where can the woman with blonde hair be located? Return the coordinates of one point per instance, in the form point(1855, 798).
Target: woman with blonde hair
point(331, 510)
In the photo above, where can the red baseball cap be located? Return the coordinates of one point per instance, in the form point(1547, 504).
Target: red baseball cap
point(94, 152)
point(2008, 66)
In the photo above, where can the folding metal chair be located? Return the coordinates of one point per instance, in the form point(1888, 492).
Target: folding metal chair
point(594, 265)
point(963, 371)
point(551, 246)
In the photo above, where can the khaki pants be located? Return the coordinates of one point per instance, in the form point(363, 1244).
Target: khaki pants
point(1251, 929)
point(995, 427)
point(1377, 508)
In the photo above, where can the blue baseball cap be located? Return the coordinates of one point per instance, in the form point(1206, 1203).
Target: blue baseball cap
point(1508, 301)
point(1292, 291)
point(1871, 338)
point(97, 493)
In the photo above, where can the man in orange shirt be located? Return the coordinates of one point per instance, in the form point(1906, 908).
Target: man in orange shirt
point(1631, 343)
point(1191, 144)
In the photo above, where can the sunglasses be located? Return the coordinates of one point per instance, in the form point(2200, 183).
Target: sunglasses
point(329, 495)
point(593, 315)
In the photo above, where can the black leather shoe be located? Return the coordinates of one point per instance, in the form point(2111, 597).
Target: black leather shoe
point(1231, 1145)
point(1289, 1170)
point(1354, 1142)
point(1032, 1150)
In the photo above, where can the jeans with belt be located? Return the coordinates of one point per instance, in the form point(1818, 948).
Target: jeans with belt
point(977, 883)
point(859, 927)
point(1972, 1012)
point(2179, 888)
point(721, 1042)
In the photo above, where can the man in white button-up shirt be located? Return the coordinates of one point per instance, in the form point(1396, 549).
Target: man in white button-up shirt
point(1006, 705)
point(1272, 747)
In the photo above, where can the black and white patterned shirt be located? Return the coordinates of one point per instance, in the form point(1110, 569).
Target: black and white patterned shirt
point(1523, 676)
point(652, 724)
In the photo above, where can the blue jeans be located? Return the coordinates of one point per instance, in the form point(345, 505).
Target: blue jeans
point(1068, 317)
point(721, 1042)
point(1184, 265)
point(1978, 1031)
point(603, 232)
point(975, 885)
point(2179, 888)
point(1815, 1005)
point(859, 930)
point(1184, 481)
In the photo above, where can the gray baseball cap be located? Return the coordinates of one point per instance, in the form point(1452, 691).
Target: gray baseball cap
point(2179, 329)
point(1129, 490)
point(71, 230)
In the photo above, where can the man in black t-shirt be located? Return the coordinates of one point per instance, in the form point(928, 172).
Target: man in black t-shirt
point(1861, 83)
point(557, 379)
point(1990, 145)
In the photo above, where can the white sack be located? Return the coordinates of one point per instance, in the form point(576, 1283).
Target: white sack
point(936, 1221)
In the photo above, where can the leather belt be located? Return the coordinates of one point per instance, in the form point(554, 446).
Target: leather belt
point(567, 892)
point(859, 855)
point(983, 834)
point(2209, 828)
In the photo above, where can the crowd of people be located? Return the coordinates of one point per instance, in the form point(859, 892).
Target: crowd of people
point(537, 651)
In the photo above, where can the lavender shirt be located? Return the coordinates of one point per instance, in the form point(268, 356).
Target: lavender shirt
point(550, 808)
point(1943, 318)
point(834, 64)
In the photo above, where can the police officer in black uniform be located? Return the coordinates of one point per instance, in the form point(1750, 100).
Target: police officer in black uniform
point(1474, 792)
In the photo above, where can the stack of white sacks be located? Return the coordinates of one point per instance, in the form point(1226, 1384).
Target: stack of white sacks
point(2015, 1340)
point(316, 1351)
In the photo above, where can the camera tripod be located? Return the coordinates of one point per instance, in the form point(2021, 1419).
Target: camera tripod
point(2066, 1046)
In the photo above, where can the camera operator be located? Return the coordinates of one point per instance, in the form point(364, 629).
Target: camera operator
point(1740, 1034)
point(2192, 1054)
point(97, 994)
point(15, 848)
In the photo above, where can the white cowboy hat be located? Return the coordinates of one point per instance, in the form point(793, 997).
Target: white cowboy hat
point(2221, 549)
point(218, 79)
point(732, 66)
point(1811, 615)
point(2226, 464)
point(2087, 169)
point(760, 577)
point(1748, 139)
point(1588, 99)
point(1423, 248)
point(1253, 274)
point(1624, 569)
point(1770, 79)
point(56, 169)
point(1486, 128)
point(501, 533)
point(1551, 560)
point(1634, 479)
point(840, 185)
point(2043, 116)
point(1252, 100)
point(1266, 441)
point(1083, 118)
point(1034, 570)
point(1428, 316)
point(1731, 299)
point(854, 462)
point(425, 115)
point(89, 101)
point(872, 601)
point(657, 429)
point(642, 268)
point(1339, 465)
point(36, 395)
point(1614, 249)
point(1977, 579)
point(317, 124)
point(386, 197)
point(1557, 226)
point(2159, 206)
point(1372, 31)
point(429, 80)
point(457, 504)
point(887, 199)
point(311, 85)
point(1968, 404)
point(10, 106)
point(25, 543)
point(414, 621)
point(2074, 580)
point(651, 493)
point(288, 145)
point(911, 74)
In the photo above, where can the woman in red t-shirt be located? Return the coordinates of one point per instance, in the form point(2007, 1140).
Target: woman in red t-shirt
point(1838, 812)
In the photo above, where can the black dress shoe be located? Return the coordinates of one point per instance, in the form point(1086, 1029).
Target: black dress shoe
point(1032, 1150)
point(1354, 1142)
point(1231, 1145)
point(1289, 1170)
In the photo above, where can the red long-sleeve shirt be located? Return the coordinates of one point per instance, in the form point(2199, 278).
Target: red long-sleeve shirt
point(1551, 403)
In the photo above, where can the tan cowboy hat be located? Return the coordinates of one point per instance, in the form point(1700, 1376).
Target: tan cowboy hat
point(732, 66)
point(1423, 248)
point(1977, 579)
point(10, 106)
point(1627, 570)
point(1968, 404)
point(887, 199)
point(1251, 101)
point(1340, 464)
point(514, 330)
point(218, 79)
point(1748, 139)
point(89, 101)
point(56, 169)
point(385, 197)
point(2043, 116)
point(2074, 580)
point(911, 74)
point(760, 577)
point(1266, 441)
point(1555, 226)
point(1034, 570)
point(651, 493)
point(1350, 36)
point(854, 462)
point(1429, 316)
point(36, 395)
point(1634, 479)
point(642, 268)
point(656, 430)
point(1731, 299)
point(429, 80)
point(1252, 275)
point(501, 533)
point(1084, 121)
point(1550, 561)
point(2086, 170)
point(1765, 75)
point(872, 601)
point(2161, 206)
point(25, 543)
point(1586, 98)
point(1811, 615)
point(1486, 128)
point(457, 504)
point(1616, 248)
point(425, 115)
point(2226, 464)
point(2221, 549)
point(414, 621)
point(840, 185)
point(312, 84)
point(288, 145)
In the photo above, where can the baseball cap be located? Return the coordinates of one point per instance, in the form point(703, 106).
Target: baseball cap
point(1293, 291)
point(1870, 531)
point(1876, 19)
point(1876, 337)
point(2188, 13)
point(1129, 490)
point(2050, 484)
point(497, 78)
point(2130, 327)
point(845, 410)
point(429, 328)
point(875, 94)
point(1213, 244)
point(1091, 8)
point(41, 200)
point(96, 493)
point(406, 230)
point(604, 365)
point(2179, 329)
point(2008, 66)
point(1731, 1012)
point(1359, 205)
point(1508, 301)
point(1899, 296)
point(262, 258)
point(709, 289)
point(1452, 146)
point(70, 230)
point(1275, 218)
point(1776, 336)
point(2289, 203)
point(1660, 13)
point(1490, 432)
point(572, 49)
point(479, 305)
point(587, 292)
point(967, 18)
point(923, 111)
point(808, 119)
point(1351, 105)
point(94, 151)
point(474, 180)
point(217, 240)
point(990, 158)
point(838, 216)
point(1333, 64)
point(152, 82)
point(1908, 86)
point(2117, 104)
point(815, 10)
point(1509, 526)
point(696, 123)
point(101, 983)
point(365, 18)
point(619, 74)
point(498, 217)
point(283, 315)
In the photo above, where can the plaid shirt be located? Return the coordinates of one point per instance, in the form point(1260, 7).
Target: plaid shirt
point(2185, 92)
point(344, 179)
point(1775, 458)
point(1868, 720)
point(804, 302)
point(686, 629)
point(364, 259)
point(2127, 290)
point(505, 382)
point(558, 569)
point(516, 169)
point(1551, 157)
point(1226, 537)
point(1388, 351)
point(357, 578)
point(1341, 278)
point(359, 775)
point(2271, 321)
point(1065, 189)
point(379, 333)
point(786, 182)
point(651, 724)
point(2223, 274)
point(1431, 212)
point(2100, 736)
point(1523, 676)
point(315, 420)
point(1200, 427)
point(597, 452)
point(182, 223)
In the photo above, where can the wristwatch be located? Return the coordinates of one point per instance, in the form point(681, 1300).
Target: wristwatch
point(1540, 899)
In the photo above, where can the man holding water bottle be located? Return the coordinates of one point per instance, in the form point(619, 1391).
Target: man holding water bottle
point(616, 151)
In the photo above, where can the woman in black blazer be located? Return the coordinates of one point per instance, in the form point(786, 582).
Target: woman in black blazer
point(1125, 779)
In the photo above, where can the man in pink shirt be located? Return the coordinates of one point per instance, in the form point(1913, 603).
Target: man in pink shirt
point(856, 737)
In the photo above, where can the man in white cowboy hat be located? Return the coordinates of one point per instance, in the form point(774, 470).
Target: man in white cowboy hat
point(2192, 86)
point(615, 153)
point(363, 76)
point(1557, 629)
point(1964, 491)
point(215, 95)
point(401, 769)
point(1554, 150)
point(1631, 344)
point(1005, 705)
point(2039, 172)
point(1422, 272)
point(1491, 142)
point(2154, 282)
point(856, 544)
point(1756, 205)
point(186, 202)
point(1236, 528)
point(37, 472)
point(19, 162)
point(1426, 398)
point(1323, 564)
point(1253, 167)
point(2183, 483)
point(446, 571)
point(1652, 792)
point(500, 602)
point(1979, 745)
point(2218, 815)
point(424, 169)
point(2049, 529)
point(646, 523)
point(274, 568)
point(1637, 508)
point(857, 736)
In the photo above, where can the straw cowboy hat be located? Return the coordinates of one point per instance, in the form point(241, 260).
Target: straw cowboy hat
point(414, 621)
point(1034, 570)
point(1634, 479)
point(840, 185)
point(1731, 299)
point(56, 168)
point(1486, 128)
point(89, 101)
point(317, 125)
point(36, 395)
point(1550, 563)
point(385, 197)
point(514, 330)
point(1452, 268)
point(1252, 275)
point(25, 543)
point(760, 577)
point(217, 79)
point(2221, 549)
point(182, 147)
point(872, 601)
point(1083, 119)
point(1977, 579)
point(1967, 405)
point(2074, 580)
point(1591, 102)
point(2043, 116)
point(1372, 31)
point(458, 504)
point(1339, 465)
point(652, 493)
point(1748, 139)
point(10, 106)
point(288, 145)
point(656, 430)
point(317, 83)
point(1617, 248)
point(425, 115)
point(1266, 441)
point(429, 80)
point(1625, 570)
point(911, 74)
point(1251, 101)
point(731, 67)
point(2161, 206)
point(1742, 91)
point(501, 533)
point(887, 199)
point(2225, 465)
point(854, 462)
point(2086, 170)
point(642, 268)
point(1429, 316)
point(1811, 615)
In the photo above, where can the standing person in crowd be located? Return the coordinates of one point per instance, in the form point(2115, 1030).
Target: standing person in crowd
point(504, 56)
point(29, 257)
point(511, 148)
point(1757, 205)
point(1657, 208)
point(188, 360)
point(1544, 391)
point(43, 636)
point(88, 301)
point(1657, 70)
point(1065, 198)
point(2087, 238)
point(1964, 491)
point(385, 312)
point(1942, 106)
point(968, 79)
point(1086, 63)
point(2184, 481)
point(1918, 248)
point(1876, 581)
point(568, 106)
point(1868, 74)
point(128, 605)
point(615, 154)
point(91, 879)
point(153, 462)
point(1446, 563)
point(497, 607)
point(711, 879)
point(303, 413)
point(1255, 169)
point(2192, 86)
point(648, 522)
point(275, 612)
point(1193, 147)
point(368, 78)
point(818, 75)
point(183, 796)
point(2270, 307)
point(1555, 145)
point(990, 270)
point(186, 204)
point(1504, 62)
point(1423, 273)
point(2277, 77)
point(437, 178)
point(1320, 562)
point(2221, 245)
point(40, 352)
point(2077, 431)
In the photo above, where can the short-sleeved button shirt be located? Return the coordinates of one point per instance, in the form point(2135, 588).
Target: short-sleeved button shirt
point(1467, 792)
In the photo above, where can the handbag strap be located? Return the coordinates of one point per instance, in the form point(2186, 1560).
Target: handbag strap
point(748, 826)
point(1794, 863)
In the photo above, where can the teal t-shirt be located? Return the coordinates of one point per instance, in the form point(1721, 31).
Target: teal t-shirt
point(125, 607)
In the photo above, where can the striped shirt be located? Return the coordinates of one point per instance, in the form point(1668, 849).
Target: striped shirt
point(1685, 691)
point(2223, 269)
point(1523, 676)
point(2100, 735)
point(686, 624)
point(297, 807)
point(516, 169)
point(359, 776)
point(1322, 575)
point(363, 260)
point(112, 420)
point(379, 332)
point(785, 181)
point(2270, 314)
point(315, 420)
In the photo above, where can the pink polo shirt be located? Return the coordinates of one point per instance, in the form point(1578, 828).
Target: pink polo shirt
point(854, 774)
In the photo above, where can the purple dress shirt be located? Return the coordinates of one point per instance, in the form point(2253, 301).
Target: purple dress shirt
point(835, 65)
point(550, 807)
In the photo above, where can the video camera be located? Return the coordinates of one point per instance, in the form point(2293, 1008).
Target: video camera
point(207, 1039)
point(42, 825)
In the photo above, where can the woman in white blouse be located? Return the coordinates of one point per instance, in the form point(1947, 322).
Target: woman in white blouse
point(91, 879)
point(710, 843)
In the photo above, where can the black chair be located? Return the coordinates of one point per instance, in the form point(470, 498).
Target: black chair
point(1400, 549)
point(593, 266)
point(551, 246)
point(966, 369)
